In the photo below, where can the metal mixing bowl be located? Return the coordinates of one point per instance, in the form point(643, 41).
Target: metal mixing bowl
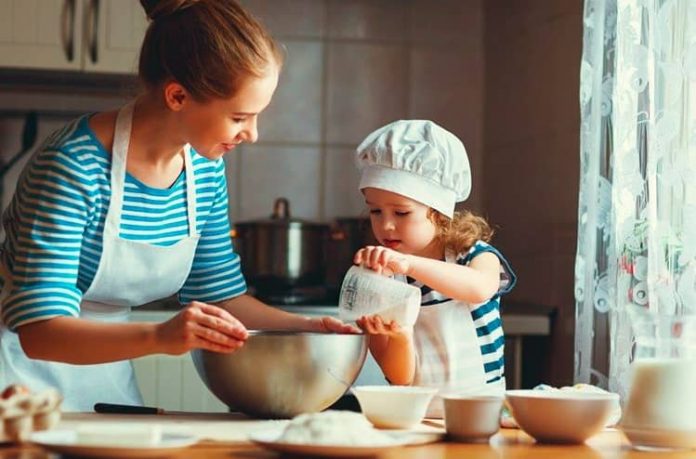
point(280, 374)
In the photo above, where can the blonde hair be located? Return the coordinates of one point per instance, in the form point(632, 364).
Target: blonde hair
point(207, 46)
point(462, 231)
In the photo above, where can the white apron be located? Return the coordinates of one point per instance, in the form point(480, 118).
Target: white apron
point(129, 274)
point(449, 353)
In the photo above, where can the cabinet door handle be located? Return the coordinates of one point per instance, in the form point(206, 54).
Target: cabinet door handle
point(92, 25)
point(67, 32)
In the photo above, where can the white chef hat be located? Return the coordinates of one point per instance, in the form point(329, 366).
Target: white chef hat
point(417, 159)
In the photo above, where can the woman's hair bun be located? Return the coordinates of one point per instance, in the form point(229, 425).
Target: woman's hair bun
point(156, 9)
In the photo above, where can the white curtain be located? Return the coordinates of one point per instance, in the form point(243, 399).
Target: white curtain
point(637, 204)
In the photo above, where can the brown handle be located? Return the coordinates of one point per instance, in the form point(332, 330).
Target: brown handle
point(281, 209)
point(67, 32)
point(92, 24)
point(114, 408)
point(337, 234)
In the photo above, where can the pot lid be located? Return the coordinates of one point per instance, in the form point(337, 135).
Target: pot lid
point(281, 217)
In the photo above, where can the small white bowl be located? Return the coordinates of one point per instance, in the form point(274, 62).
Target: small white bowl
point(394, 407)
point(560, 416)
point(472, 419)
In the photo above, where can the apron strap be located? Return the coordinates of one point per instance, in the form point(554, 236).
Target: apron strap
point(190, 191)
point(124, 123)
point(118, 169)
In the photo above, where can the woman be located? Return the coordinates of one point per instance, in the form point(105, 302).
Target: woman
point(121, 208)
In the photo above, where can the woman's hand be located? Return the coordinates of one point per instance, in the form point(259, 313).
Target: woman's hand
point(375, 325)
point(331, 325)
point(201, 326)
point(383, 260)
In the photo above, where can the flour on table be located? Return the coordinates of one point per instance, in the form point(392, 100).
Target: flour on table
point(340, 428)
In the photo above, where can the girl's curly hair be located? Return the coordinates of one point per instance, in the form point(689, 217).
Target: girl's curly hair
point(462, 231)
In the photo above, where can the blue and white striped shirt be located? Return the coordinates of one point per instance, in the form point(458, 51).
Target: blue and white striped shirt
point(55, 221)
point(486, 316)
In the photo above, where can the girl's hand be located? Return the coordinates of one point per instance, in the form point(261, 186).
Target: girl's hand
point(383, 260)
point(374, 325)
point(201, 326)
point(331, 325)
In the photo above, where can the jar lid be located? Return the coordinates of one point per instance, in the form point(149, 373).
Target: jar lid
point(281, 217)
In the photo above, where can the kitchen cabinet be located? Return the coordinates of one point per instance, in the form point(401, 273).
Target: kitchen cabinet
point(77, 35)
point(172, 383)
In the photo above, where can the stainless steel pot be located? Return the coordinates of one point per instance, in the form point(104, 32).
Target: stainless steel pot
point(281, 251)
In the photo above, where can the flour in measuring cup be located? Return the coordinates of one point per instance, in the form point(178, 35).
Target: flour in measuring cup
point(338, 428)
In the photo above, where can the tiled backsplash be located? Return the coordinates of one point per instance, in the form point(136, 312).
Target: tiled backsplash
point(351, 66)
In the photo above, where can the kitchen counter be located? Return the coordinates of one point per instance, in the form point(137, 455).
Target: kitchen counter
point(508, 443)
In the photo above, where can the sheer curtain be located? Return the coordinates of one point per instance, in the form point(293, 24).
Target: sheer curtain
point(637, 206)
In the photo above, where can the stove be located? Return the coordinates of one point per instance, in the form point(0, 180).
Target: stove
point(315, 295)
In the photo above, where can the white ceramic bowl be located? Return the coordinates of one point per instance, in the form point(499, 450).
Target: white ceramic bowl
point(472, 418)
point(560, 416)
point(394, 407)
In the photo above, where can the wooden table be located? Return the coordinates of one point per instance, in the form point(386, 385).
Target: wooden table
point(507, 444)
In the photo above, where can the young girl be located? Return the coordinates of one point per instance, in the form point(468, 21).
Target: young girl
point(121, 208)
point(413, 173)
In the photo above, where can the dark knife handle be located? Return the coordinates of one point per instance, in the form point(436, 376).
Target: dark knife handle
point(114, 408)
